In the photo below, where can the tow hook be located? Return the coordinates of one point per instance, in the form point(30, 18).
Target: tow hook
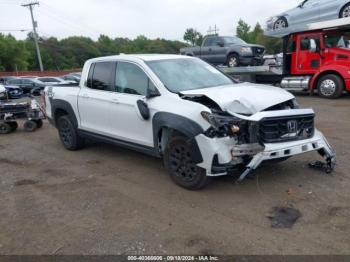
point(327, 166)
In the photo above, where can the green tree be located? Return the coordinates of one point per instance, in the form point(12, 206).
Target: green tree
point(257, 36)
point(193, 36)
point(243, 31)
point(72, 52)
point(13, 54)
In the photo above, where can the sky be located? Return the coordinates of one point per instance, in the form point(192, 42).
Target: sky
point(130, 18)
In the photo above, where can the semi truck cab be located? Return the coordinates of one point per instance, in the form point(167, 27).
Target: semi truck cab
point(317, 57)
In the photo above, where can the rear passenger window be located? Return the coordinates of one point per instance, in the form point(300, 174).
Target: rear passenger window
point(130, 79)
point(102, 76)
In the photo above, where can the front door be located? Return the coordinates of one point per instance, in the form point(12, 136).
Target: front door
point(127, 124)
point(308, 62)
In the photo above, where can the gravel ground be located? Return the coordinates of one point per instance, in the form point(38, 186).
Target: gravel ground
point(109, 200)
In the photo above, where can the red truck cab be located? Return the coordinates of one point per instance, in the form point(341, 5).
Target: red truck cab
point(317, 57)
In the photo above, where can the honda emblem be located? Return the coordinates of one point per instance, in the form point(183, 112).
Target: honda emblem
point(292, 126)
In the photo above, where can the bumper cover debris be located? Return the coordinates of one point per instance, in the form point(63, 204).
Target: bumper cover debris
point(223, 149)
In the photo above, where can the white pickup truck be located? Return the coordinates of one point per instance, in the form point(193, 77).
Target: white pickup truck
point(201, 122)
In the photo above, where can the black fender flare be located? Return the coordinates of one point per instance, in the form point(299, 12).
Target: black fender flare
point(181, 124)
point(58, 104)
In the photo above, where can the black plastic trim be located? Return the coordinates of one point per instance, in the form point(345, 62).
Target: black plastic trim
point(57, 104)
point(181, 124)
point(114, 141)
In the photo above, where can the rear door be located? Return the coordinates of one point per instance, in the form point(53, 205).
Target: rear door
point(96, 98)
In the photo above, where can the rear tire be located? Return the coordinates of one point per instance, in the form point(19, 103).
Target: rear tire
point(280, 23)
point(30, 126)
point(330, 86)
point(180, 165)
point(68, 134)
point(345, 11)
point(5, 128)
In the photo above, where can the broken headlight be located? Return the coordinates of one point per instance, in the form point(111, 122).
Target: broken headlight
point(222, 125)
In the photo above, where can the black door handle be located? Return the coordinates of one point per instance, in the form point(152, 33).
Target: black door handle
point(210, 49)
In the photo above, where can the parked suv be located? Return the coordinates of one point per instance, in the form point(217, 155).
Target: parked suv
point(185, 111)
point(227, 50)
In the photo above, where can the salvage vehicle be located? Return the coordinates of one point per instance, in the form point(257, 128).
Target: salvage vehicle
point(26, 84)
point(4, 79)
point(50, 80)
point(14, 92)
point(201, 122)
point(30, 111)
point(310, 11)
point(227, 50)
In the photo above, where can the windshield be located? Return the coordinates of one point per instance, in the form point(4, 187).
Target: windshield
point(187, 74)
point(233, 41)
point(339, 39)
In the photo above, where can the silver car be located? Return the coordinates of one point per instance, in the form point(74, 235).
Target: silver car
point(310, 11)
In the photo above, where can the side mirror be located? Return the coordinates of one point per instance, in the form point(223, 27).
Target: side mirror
point(220, 43)
point(143, 109)
point(313, 46)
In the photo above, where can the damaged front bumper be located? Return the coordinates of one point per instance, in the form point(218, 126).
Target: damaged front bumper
point(221, 154)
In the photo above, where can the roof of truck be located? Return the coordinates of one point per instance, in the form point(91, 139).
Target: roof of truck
point(343, 23)
point(144, 57)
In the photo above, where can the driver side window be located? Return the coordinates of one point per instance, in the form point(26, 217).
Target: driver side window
point(131, 79)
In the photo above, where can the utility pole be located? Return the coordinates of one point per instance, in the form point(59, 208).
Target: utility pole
point(214, 31)
point(35, 35)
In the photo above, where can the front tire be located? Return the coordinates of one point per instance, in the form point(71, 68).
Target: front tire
point(330, 86)
point(345, 11)
point(68, 134)
point(179, 163)
point(233, 61)
point(280, 23)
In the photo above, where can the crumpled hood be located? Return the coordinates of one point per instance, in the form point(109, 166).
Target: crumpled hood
point(243, 98)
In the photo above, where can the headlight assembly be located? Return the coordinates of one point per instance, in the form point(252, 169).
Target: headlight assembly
point(223, 125)
point(246, 50)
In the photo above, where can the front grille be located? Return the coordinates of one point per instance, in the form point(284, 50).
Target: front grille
point(258, 51)
point(282, 129)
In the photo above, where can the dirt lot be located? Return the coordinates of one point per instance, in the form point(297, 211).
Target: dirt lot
point(108, 200)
